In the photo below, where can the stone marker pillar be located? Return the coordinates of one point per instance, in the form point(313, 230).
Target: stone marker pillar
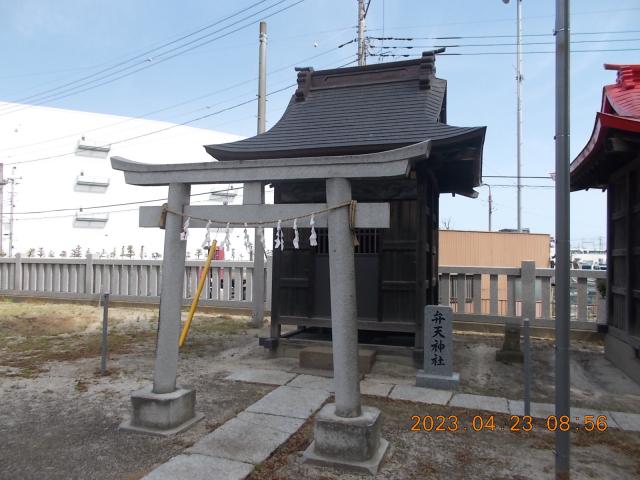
point(345, 434)
point(438, 350)
point(511, 351)
point(164, 408)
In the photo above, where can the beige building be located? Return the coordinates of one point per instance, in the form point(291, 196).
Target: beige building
point(491, 249)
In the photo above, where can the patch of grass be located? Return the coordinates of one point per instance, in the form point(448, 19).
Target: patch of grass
point(33, 334)
point(81, 386)
point(28, 372)
point(218, 325)
point(31, 353)
point(206, 329)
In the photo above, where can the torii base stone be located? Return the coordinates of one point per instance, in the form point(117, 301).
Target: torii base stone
point(349, 443)
point(162, 414)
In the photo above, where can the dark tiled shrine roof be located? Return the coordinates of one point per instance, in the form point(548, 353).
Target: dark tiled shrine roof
point(359, 110)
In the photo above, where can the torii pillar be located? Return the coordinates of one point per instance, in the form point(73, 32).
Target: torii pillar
point(164, 408)
point(346, 433)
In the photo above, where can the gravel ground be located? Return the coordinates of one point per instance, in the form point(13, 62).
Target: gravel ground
point(484, 455)
point(595, 382)
point(59, 417)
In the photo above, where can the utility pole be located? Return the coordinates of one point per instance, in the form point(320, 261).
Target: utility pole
point(490, 202)
point(519, 109)
point(262, 78)
point(255, 193)
point(362, 50)
point(563, 258)
point(490, 206)
point(12, 180)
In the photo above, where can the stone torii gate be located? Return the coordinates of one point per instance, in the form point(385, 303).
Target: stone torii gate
point(345, 432)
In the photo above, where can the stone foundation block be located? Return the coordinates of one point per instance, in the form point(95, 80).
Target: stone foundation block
point(351, 443)
point(162, 413)
point(511, 351)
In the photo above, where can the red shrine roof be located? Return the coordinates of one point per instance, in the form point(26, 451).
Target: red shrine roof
point(619, 113)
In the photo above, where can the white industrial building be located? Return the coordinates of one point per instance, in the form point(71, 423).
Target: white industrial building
point(57, 163)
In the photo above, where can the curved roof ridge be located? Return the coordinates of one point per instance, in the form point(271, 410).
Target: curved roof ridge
point(356, 110)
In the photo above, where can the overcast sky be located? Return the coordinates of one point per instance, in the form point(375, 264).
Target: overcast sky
point(108, 57)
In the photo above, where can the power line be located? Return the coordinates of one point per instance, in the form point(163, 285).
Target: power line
point(475, 37)
point(190, 100)
point(170, 127)
point(547, 51)
point(122, 204)
point(75, 209)
point(395, 55)
point(462, 45)
point(141, 55)
point(499, 20)
point(153, 62)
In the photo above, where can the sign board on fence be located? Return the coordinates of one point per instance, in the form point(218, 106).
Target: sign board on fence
point(438, 350)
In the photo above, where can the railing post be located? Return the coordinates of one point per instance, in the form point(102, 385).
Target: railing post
point(581, 297)
point(493, 295)
point(477, 294)
point(528, 282)
point(445, 289)
point(267, 283)
point(461, 286)
point(17, 273)
point(105, 331)
point(546, 297)
point(88, 275)
point(511, 295)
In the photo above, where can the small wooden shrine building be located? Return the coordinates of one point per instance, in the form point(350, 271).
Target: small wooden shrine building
point(362, 110)
point(611, 160)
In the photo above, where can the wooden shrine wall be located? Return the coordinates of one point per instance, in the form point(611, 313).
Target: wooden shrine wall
point(624, 249)
point(393, 279)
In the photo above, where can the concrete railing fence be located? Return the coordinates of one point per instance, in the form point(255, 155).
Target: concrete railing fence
point(488, 293)
point(229, 283)
point(484, 294)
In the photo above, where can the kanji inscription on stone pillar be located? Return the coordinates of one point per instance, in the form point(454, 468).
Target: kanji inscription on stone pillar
point(438, 349)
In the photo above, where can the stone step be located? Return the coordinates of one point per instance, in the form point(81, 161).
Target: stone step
point(321, 358)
